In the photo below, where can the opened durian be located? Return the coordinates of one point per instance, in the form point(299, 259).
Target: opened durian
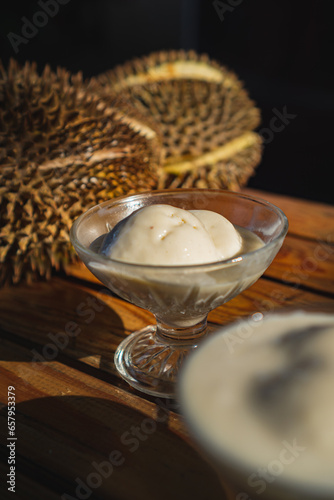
point(203, 111)
point(62, 150)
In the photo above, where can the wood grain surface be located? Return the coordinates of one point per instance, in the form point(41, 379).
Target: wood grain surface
point(82, 432)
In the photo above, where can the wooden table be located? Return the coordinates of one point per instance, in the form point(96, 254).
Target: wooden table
point(81, 431)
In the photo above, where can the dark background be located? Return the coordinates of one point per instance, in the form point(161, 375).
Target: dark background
point(282, 50)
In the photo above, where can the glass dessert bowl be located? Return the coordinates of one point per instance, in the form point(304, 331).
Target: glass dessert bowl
point(180, 296)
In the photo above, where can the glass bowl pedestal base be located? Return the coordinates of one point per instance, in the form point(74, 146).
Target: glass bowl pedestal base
point(150, 359)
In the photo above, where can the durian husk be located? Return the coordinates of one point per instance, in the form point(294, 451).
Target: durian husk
point(63, 149)
point(204, 112)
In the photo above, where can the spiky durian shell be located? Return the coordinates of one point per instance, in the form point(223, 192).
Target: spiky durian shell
point(62, 150)
point(204, 112)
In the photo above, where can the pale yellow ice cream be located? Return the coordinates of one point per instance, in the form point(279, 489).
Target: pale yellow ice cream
point(260, 394)
point(167, 235)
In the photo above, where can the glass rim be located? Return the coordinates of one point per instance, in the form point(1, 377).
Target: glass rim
point(103, 259)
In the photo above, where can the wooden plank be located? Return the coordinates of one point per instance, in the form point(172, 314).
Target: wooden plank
point(67, 318)
point(307, 219)
point(79, 270)
point(67, 418)
point(48, 313)
point(304, 262)
point(31, 482)
point(266, 296)
point(77, 422)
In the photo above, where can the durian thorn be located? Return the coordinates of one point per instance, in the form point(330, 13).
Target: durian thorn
point(192, 70)
point(107, 154)
point(97, 156)
point(138, 126)
point(224, 152)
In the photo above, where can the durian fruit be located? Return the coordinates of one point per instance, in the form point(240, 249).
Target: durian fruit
point(62, 150)
point(204, 112)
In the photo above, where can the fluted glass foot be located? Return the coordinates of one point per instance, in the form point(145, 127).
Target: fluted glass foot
point(150, 362)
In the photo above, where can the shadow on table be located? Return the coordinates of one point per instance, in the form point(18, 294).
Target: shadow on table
point(72, 447)
point(47, 320)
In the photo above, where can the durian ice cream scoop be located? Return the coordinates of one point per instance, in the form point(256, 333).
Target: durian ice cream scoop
point(167, 235)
